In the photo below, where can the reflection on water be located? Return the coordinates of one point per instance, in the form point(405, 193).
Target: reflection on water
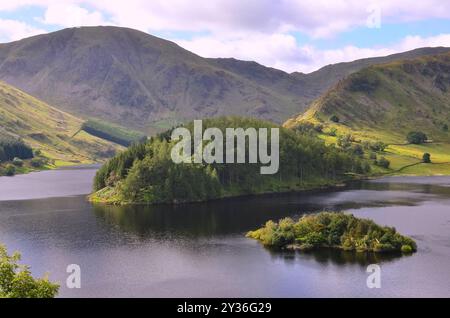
point(199, 250)
point(233, 216)
point(337, 257)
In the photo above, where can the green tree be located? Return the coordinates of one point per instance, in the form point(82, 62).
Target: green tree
point(358, 151)
point(146, 172)
point(37, 163)
point(335, 119)
point(16, 280)
point(334, 230)
point(345, 141)
point(11, 147)
point(426, 158)
point(416, 137)
point(378, 146)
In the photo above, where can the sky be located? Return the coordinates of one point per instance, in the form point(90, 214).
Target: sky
point(291, 35)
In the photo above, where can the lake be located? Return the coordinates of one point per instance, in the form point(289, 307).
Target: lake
point(200, 250)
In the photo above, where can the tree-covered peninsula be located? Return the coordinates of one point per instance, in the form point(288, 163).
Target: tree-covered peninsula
point(332, 230)
point(146, 173)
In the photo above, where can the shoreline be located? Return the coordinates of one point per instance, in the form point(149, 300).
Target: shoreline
point(27, 170)
point(337, 185)
point(93, 198)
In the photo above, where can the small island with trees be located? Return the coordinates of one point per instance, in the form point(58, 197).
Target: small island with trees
point(146, 174)
point(332, 230)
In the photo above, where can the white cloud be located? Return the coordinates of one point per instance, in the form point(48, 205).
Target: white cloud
point(276, 50)
point(11, 30)
point(251, 29)
point(319, 18)
point(283, 52)
point(351, 53)
point(17, 4)
point(70, 15)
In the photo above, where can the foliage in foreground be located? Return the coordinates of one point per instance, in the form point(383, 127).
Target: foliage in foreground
point(332, 230)
point(16, 280)
point(145, 173)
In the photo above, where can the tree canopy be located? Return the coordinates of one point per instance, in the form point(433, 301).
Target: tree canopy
point(146, 173)
point(16, 280)
point(333, 230)
point(12, 147)
point(416, 137)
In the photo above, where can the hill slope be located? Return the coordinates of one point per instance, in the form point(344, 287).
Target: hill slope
point(385, 102)
point(52, 131)
point(132, 78)
point(325, 78)
point(140, 81)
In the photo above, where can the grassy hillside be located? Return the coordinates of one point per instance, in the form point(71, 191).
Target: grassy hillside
point(54, 133)
point(384, 103)
point(318, 82)
point(113, 133)
point(140, 81)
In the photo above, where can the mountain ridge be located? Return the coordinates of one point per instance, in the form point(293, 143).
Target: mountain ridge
point(129, 76)
point(141, 81)
point(364, 98)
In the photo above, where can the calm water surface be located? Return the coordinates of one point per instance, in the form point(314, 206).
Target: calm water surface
point(200, 250)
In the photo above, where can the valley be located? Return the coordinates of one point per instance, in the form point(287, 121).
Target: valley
point(55, 136)
point(96, 108)
point(105, 82)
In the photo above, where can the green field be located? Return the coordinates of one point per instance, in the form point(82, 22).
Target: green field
point(406, 159)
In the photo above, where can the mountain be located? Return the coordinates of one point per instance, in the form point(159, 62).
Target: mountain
point(387, 101)
point(144, 82)
point(132, 78)
point(55, 133)
point(320, 81)
point(399, 97)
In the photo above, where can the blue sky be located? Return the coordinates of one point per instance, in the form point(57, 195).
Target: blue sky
point(292, 35)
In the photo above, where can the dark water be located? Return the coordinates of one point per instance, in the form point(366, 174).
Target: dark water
point(200, 250)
